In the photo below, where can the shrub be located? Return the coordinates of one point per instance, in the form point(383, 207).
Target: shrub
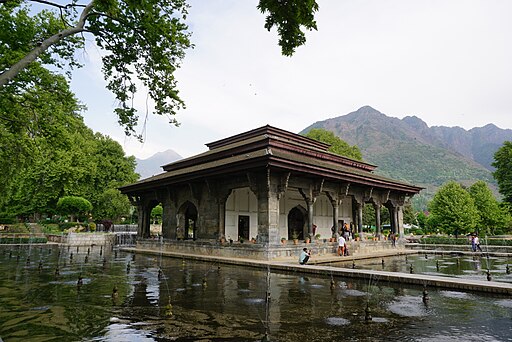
point(7, 220)
point(92, 227)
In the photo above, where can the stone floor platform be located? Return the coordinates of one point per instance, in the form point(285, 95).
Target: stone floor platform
point(320, 266)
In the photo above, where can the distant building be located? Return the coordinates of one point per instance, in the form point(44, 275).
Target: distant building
point(266, 183)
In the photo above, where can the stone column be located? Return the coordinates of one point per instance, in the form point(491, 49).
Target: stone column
point(400, 222)
point(310, 202)
point(376, 206)
point(392, 216)
point(360, 218)
point(168, 219)
point(144, 221)
point(268, 217)
point(222, 219)
point(335, 214)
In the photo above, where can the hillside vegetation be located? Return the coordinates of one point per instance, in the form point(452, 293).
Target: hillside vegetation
point(408, 150)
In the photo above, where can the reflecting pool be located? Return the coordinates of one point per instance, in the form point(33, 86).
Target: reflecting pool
point(460, 266)
point(68, 295)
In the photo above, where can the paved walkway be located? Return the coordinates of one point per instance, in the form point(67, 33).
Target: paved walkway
point(320, 266)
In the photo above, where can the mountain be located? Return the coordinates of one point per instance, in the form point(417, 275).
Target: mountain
point(153, 165)
point(407, 149)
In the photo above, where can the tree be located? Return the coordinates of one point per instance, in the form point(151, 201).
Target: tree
point(112, 205)
point(289, 17)
point(48, 152)
point(156, 213)
point(338, 146)
point(491, 215)
point(503, 174)
point(74, 206)
point(142, 40)
point(409, 216)
point(452, 210)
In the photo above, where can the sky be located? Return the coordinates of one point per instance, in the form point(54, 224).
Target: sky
point(446, 62)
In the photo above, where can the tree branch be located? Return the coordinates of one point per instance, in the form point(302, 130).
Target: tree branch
point(14, 70)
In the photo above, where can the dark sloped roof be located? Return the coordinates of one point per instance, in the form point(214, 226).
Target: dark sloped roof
point(269, 147)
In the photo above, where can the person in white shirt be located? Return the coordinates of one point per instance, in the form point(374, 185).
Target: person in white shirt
point(304, 256)
point(341, 246)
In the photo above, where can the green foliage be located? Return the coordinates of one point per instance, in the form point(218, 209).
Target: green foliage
point(422, 220)
point(141, 40)
point(289, 17)
point(491, 215)
point(112, 205)
point(66, 225)
point(409, 216)
point(453, 210)
point(7, 220)
point(51, 228)
point(503, 174)
point(73, 205)
point(156, 213)
point(48, 152)
point(18, 228)
point(338, 146)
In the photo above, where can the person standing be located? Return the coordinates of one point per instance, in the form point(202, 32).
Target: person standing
point(346, 232)
point(477, 244)
point(341, 246)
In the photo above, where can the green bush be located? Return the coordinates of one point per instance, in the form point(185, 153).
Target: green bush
point(51, 228)
point(92, 227)
point(66, 225)
point(7, 220)
point(18, 228)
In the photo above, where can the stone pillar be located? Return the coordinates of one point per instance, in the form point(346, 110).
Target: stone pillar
point(360, 218)
point(376, 206)
point(169, 219)
point(268, 217)
point(310, 202)
point(144, 221)
point(393, 217)
point(335, 215)
point(400, 222)
point(222, 219)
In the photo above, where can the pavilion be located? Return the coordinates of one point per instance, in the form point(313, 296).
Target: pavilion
point(265, 184)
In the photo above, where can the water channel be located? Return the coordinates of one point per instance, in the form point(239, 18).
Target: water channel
point(465, 266)
point(67, 294)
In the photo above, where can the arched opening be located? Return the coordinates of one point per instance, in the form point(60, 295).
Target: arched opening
point(296, 222)
point(187, 224)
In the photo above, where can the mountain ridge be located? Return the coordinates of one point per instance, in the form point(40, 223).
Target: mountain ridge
point(408, 149)
point(153, 165)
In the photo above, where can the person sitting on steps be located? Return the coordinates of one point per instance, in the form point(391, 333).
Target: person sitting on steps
point(304, 256)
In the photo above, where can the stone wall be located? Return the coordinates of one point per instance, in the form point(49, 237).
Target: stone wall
point(88, 239)
point(247, 250)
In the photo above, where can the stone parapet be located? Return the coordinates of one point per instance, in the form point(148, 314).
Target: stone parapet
point(259, 251)
point(89, 239)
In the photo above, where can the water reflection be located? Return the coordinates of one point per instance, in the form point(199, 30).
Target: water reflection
point(468, 267)
point(38, 305)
